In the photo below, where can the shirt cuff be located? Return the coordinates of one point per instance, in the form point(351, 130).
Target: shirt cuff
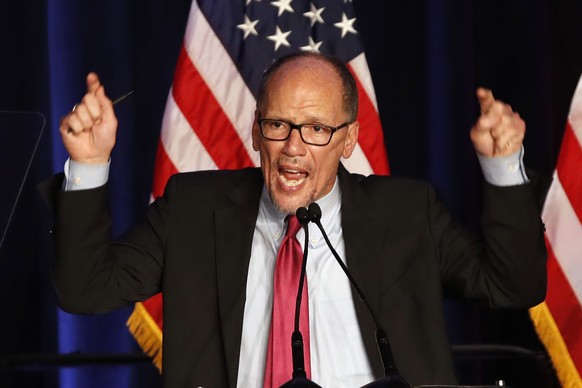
point(84, 176)
point(504, 170)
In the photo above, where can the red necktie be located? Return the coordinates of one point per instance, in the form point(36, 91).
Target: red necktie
point(279, 365)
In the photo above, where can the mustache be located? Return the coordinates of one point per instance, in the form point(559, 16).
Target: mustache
point(292, 161)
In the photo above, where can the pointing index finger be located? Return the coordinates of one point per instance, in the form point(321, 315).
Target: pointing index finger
point(486, 99)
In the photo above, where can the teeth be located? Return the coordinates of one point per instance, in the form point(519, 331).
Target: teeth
point(292, 182)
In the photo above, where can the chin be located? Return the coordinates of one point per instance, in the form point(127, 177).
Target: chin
point(289, 206)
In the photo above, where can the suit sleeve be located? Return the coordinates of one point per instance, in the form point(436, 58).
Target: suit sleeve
point(93, 273)
point(506, 267)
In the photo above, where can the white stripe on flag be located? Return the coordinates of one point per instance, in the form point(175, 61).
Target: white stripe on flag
point(182, 145)
point(564, 233)
point(360, 68)
point(358, 163)
point(575, 117)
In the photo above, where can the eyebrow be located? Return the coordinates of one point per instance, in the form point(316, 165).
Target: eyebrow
point(309, 120)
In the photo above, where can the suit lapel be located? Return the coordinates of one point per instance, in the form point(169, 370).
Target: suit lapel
point(234, 228)
point(362, 231)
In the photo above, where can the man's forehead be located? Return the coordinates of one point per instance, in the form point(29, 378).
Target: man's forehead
point(306, 83)
point(304, 64)
point(306, 74)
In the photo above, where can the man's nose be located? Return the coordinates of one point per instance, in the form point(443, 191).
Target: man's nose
point(294, 145)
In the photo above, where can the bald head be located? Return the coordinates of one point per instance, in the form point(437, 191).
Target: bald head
point(293, 64)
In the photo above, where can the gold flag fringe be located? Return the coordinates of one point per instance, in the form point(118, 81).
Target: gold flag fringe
point(552, 339)
point(147, 333)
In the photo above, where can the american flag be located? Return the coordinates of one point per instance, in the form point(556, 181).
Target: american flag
point(559, 319)
point(228, 44)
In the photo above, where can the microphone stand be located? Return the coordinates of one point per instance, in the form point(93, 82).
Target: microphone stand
point(299, 379)
point(392, 378)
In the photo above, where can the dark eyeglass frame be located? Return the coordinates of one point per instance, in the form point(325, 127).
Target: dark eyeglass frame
point(298, 127)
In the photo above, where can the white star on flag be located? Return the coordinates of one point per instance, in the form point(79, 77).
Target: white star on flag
point(346, 25)
point(312, 46)
point(248, 27)
point(283, 5)
point(314, 15)
point(280, 38)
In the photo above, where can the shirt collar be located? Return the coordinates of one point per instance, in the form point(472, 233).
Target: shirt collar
point(274, 217)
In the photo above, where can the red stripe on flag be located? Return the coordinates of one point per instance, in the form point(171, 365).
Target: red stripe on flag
point(154, 307)
point(565, 308)
point(163, 170)
point(206, 117)
point(569, 169)
point(371, 137)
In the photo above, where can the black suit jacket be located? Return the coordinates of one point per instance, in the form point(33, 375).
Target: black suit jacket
point(195, 243)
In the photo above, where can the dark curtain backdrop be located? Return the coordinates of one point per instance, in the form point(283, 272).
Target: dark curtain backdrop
point(426, 59)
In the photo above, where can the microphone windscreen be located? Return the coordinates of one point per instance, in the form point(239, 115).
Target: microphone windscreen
point(314, 212)
point(302, 215)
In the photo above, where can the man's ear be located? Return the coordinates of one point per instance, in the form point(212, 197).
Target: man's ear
point(256, 131)
point(351, 139)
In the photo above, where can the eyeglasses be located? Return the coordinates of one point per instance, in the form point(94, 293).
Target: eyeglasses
point(311, 133)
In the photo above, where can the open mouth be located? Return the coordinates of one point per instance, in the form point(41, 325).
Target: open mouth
point(292, 178)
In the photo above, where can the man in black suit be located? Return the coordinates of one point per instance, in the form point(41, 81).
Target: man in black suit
point(211, 241)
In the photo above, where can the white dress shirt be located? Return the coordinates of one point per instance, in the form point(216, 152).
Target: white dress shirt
point(338, 357)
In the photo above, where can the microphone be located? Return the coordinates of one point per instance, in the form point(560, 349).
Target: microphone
point(392, 378)
point(299, 378)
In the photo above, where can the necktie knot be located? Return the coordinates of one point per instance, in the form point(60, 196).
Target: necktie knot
point(293, 226)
